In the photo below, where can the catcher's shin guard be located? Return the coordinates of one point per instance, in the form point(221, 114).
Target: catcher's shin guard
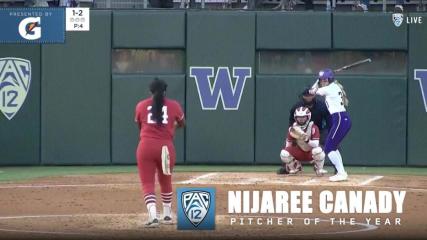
point(166, 161)
point(292, 166)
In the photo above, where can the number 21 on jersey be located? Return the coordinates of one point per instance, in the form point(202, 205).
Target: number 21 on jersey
point(150, 115)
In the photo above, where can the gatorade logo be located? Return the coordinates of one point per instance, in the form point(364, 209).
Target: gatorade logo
point(30, 28)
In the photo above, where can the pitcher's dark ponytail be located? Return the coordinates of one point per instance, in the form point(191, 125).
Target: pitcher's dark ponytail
point(158, 89)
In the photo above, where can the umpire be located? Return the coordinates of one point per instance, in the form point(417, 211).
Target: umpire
point(319, 115)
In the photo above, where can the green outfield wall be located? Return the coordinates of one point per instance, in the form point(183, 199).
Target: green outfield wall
point(236, 74)
point(417, 115)
point(76, 96)
point(207, 45)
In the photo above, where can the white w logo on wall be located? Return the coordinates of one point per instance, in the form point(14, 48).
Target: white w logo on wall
point(15, 79)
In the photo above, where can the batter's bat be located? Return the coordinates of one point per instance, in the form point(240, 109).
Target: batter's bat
point(367, 60)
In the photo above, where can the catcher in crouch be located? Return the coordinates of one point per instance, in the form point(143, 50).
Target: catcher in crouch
point(302, 144)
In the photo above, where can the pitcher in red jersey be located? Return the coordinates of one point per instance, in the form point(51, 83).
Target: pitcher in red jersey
point(157, 117)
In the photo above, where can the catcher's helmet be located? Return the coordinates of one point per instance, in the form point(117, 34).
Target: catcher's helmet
point(327, 73)
point(302, 112)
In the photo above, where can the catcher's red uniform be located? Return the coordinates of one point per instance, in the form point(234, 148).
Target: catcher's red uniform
point(298, 148)
point(153, 137)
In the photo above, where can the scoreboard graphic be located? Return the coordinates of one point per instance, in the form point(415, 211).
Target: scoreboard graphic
point(41, 25)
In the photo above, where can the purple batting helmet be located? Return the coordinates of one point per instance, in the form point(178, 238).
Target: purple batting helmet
point(326, 73)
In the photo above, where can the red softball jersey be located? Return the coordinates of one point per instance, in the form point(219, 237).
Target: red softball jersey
point(172, 112)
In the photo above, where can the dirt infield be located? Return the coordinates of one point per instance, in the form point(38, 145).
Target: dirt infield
point(111, 207)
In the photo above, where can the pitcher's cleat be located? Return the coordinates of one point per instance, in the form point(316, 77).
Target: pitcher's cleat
point(167, 220)
point(152, 224)
point(339, 177)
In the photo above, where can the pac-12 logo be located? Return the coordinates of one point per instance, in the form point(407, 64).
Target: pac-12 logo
point(222, 87)
point(196, 208)
point(421, 76)
point(397, 19)
point(15, 80)
point(30, 28)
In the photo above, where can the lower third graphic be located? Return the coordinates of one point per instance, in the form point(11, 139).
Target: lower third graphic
point(196, 208)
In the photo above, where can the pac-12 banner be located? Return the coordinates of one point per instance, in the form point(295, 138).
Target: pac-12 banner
point(32, 25)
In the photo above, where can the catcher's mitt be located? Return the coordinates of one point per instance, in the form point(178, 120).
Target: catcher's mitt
point(297, 133)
